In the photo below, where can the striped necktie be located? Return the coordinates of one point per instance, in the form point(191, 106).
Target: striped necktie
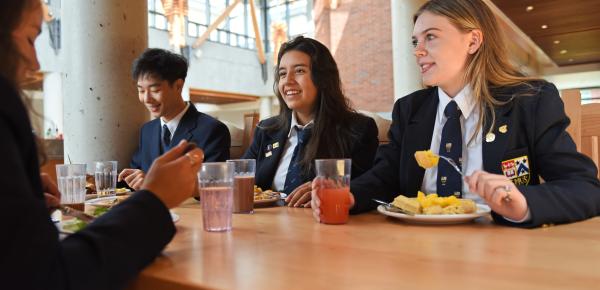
point(294, 177)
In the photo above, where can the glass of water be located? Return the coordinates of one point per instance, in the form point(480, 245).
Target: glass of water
point(71, 184)
point(105, 175)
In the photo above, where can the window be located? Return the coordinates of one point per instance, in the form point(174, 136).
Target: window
point(237, 29)
point(294, 14)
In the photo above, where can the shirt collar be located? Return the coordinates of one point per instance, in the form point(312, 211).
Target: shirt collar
point(173, 123)
point(294, 124)
point(464, 99)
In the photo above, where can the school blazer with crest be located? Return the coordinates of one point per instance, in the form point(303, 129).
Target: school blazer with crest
point(207, 132)
point(267, 148)
point(533, 129)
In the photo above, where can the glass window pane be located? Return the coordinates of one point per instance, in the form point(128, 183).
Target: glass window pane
point(298, 25)
point(214, 35)
point(236, 19)
point(192, 29)
point(216, 9)
point(158, 7)
point(197, 11)
point(151, 5)
point(160, 22)
point(223, 37)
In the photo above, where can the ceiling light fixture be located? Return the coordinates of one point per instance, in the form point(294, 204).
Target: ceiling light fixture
point(570, 60)
point(544, 26)
point(564, 51)
point(529, 8)
point(556, 41)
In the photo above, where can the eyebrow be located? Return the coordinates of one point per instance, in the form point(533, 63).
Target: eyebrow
point(295, 66)
point(427, 30)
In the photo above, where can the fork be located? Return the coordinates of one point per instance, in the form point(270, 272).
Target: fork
point(452, 163)
point(391, 207)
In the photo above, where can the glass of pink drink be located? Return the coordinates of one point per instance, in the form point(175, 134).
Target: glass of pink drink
point(216, 195)
point(334, 191)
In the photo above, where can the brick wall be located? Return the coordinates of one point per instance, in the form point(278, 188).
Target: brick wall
point(359, 35)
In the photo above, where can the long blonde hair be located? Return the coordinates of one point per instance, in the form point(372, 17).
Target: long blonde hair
point(489, 66)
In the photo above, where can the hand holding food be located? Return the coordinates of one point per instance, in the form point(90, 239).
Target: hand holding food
point(172, 176)
point(133, 177)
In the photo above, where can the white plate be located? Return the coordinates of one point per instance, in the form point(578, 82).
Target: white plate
point(104, 201)
point(440, 219)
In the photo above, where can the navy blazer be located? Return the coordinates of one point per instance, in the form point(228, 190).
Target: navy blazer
point(268, 155)
point(107, 254)
point(207, 132)
point(533, 128)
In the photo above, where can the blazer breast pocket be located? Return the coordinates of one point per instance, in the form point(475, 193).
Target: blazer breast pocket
point(516, 166)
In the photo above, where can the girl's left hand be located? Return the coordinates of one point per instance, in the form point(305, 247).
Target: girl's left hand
point(499, 193)
point(300, 197)
point(51, 193)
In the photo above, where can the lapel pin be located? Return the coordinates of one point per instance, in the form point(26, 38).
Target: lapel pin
point(269, 147)
point(448, 147)
point(490, 137)
point(268, 154)
point(503, 129)
point(275, 145)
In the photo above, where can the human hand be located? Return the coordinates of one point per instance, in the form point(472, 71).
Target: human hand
point(499, 193)
point(133, 177)
point(300, 197)
point(51, 193)
point(317, 184)
point(173, 176)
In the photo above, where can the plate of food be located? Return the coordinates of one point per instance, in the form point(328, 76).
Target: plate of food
point(266, 197)
point(432, 209)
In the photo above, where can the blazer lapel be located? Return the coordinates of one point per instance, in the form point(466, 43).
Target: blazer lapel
point(271, 162)
point(186, 125)
point(155, 139)
point(495, 142)
point(418, 135)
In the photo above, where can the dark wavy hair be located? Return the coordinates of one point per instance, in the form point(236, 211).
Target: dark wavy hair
point(332, 133)
point(11, 15)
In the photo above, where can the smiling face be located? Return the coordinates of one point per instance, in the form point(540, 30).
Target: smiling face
point(24, 37)
point(441, 51)
point(160, 98)
point(295, 82)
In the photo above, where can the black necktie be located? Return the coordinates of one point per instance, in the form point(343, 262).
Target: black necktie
point(449, 182)
point(166, 139)
point(294, 177)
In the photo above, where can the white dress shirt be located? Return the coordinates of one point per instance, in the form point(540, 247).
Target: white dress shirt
point(472, 156)
point(288, 151)
point(173, 123)
point(472, 153)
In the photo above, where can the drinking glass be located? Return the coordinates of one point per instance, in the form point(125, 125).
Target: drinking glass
point(71, 184)
point(333, 176)
point(105, 176)
point(243, 185)
point(216, 195)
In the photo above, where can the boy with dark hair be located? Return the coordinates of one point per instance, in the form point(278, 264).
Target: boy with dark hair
point(160, 75)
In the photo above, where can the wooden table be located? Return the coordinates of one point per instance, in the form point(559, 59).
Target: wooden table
point(283, 248)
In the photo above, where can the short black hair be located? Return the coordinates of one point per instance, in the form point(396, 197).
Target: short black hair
point(161, 64)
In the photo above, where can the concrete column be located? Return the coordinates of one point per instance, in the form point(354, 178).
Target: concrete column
point(102, 113)
point(53, 103)
point(266, 107)
point(407, 77)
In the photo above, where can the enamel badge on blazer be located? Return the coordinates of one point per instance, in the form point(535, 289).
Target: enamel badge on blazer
point(517, 170)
